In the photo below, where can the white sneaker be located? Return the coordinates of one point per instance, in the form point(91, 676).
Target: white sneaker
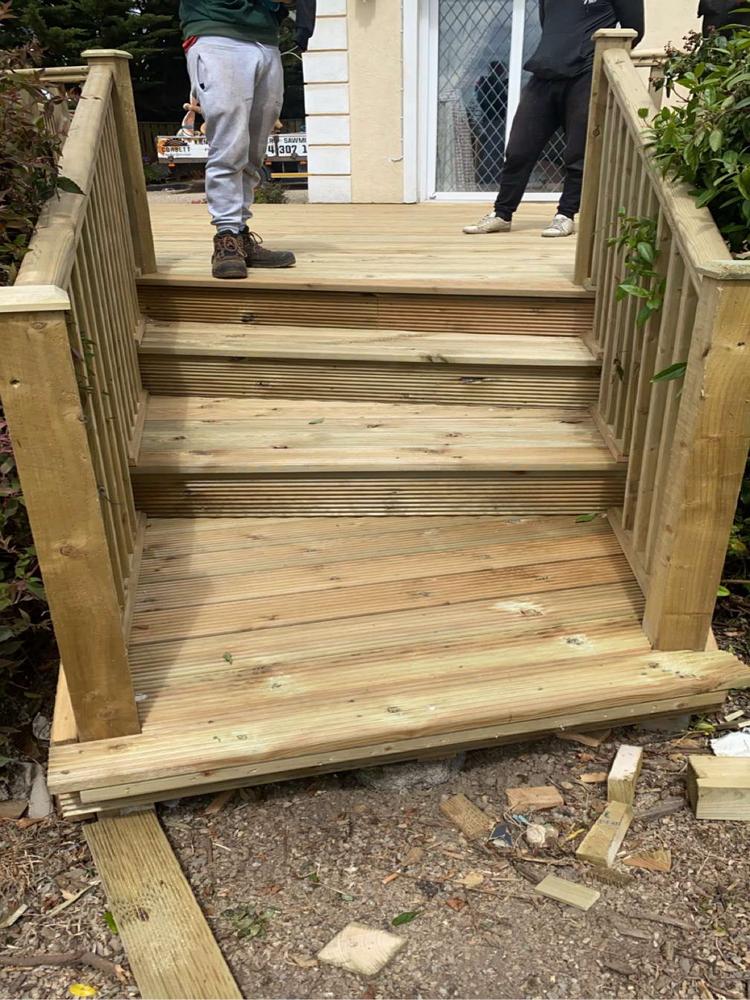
point(561, 225)
point(489, 223)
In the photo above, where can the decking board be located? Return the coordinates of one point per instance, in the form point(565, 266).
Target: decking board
point(237, 684)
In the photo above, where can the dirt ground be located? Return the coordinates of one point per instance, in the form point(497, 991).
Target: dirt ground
point(279, 870)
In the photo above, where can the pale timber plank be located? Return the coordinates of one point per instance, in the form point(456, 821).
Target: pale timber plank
point(340, 344)
point(169, 944)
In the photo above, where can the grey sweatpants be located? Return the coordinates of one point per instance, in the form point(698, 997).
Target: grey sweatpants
point(240, 88)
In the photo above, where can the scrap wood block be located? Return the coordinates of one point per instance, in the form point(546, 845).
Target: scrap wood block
point(603, 841)
point(719, 787)
point(530, 798)
point(471, 821)
point(360, 949)
point(624, 774)
point(580, 896)
point(658, 860)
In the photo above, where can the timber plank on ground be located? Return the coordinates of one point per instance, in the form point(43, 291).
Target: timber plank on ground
point(169, 944)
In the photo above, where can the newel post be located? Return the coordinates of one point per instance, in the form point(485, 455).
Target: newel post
point(706, 464)
point(42, 403)
point(126, 125)
point(606, 38)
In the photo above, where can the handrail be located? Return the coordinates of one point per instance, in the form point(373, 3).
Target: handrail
point(684, 440)
point(73, 397)
point(54, 74)
point(51, 253)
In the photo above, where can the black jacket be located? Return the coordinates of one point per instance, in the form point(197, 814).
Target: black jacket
point(566, 48)
point(304, 23)
point(719, 13)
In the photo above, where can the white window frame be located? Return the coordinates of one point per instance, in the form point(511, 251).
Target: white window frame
point(420, 83)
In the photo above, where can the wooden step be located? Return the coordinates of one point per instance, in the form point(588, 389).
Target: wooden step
point(296, 362)
point(307, 649)
point(533, 310)
point(229, 456)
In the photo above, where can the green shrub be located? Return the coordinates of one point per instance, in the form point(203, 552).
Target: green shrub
point(704, 139)
point(28, 154)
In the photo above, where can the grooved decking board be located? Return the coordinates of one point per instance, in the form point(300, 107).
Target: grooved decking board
point(378, 247)
point(169, 945)
point(197, 435)
point(374, 495)
point(323, 658)
point(397, 366)
point(190, 300)
point(336, 344)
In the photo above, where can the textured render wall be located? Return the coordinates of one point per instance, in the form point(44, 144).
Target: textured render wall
point(353, 93)
point(327, 106)
point(375, 86)
point(669, 21)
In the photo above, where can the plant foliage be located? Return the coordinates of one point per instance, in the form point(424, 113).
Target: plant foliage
point(637, 237)
point(28, 154)
point(704, 139)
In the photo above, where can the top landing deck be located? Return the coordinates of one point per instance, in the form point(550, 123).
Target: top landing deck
point(388, 248)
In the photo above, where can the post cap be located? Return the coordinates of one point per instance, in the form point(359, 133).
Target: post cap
point(619, 34)
point(105, 54)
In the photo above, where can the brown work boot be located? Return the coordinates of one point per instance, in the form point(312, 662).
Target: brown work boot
point(257, 255)
point(228, 259)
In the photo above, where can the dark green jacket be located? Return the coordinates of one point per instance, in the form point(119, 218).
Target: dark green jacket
point(248, 20)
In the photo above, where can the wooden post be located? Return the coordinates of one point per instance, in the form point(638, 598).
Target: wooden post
point(42, 405)
point(706, 464)
point(607, 38)
point(130, 153)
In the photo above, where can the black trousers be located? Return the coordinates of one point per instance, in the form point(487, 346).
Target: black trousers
point(545, 106)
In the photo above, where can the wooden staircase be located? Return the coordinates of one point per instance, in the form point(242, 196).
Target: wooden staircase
point(202, 460)
point(256, 420)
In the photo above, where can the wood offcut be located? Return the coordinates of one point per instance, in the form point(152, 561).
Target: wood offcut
point(169, 944)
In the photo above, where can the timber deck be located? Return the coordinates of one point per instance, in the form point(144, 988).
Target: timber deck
point(270, 647)
point(414, 248)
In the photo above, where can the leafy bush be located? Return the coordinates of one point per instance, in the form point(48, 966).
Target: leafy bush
point(704, 139)
point(28, 153)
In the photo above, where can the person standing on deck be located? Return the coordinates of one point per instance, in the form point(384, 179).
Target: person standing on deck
point(237, 78)
point(556, 96)
point(718, 14)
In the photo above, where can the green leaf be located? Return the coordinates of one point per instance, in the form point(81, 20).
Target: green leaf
point(723, 591)
point(585, 518)
point(319, 420)
point(643, 112)
point(674, 371)
point(636, 290)
point(647, 252)
point(228, 657)
point(110, 921)
point(715, 139)
point(68, 185)
point(405, 918)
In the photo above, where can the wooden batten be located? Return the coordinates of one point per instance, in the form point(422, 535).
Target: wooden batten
point(169, 944)
point(719, 787)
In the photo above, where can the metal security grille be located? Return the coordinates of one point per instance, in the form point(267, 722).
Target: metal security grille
point(548, 175)
point(473, 60)
point(475, 40)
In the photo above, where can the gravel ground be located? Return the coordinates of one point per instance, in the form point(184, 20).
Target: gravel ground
point(279, 870)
